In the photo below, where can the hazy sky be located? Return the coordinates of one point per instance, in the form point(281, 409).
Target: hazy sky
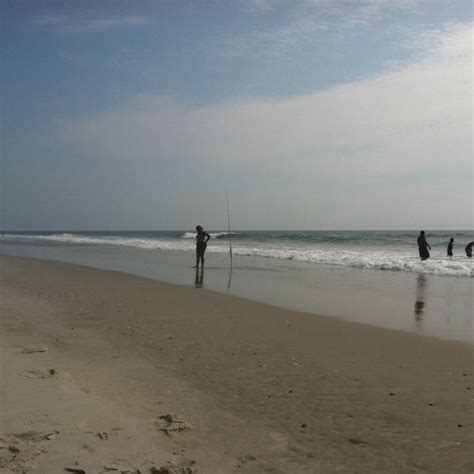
point(310, 114)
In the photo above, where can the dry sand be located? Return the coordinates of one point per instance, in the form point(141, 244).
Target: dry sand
point(107, 372)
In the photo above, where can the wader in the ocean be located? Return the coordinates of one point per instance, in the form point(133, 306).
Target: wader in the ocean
point(423, 246)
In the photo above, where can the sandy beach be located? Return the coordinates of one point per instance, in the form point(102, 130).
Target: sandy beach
point(108, 372)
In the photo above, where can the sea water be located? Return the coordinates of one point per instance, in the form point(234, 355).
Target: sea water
point(376, 250)
point(370, 277)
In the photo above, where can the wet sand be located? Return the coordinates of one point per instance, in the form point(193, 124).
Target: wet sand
point(424, 304)
point(108, 372)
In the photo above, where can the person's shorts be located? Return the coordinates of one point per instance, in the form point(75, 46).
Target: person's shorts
point(200, 249)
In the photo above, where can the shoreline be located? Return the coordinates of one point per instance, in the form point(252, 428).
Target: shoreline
point(255, 388)
point(423, 304)
point(278, 307)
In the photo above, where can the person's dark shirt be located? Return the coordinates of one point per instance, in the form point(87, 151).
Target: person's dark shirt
point(202, 237)
point(422, 241)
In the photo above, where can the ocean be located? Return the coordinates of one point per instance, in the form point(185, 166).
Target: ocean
point(369, 277)
point(376, 250)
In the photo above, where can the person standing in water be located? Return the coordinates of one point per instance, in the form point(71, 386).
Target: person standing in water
point(423, 246)
point(450, 248)
point(202, 238)
point(468, 249)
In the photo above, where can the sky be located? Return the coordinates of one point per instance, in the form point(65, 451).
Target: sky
point(307, 114)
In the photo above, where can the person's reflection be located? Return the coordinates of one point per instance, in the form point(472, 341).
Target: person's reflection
point(420, 297)
point(199, 278)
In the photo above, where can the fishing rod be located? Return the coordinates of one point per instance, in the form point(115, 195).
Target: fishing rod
point(228, 228)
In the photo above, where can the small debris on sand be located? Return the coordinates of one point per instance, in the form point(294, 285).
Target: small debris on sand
point(50, 436)
point(170, 422)
point(167, 418)
point(33, 350)
point(171, 470)
point(160, 470)
point(32, 374)
point(358, 442)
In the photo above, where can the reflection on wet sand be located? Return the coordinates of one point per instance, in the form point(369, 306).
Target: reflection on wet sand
point(420, 298)
point(199, 278)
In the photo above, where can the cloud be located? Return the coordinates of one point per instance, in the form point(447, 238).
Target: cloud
point(50, 20)
point(414, 117)
point(79, 24)
point(363, 12)
point(274, 41)
point(262, 5)
point(309, 19)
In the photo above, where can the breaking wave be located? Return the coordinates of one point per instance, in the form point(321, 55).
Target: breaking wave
point(401, 258)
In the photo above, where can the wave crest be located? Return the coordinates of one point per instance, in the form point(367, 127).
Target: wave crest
point(385, 258)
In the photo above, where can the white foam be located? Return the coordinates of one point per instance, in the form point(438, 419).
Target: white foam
point(386, 258)
point(214, 235)
point(363, 258)
point(143, 243)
